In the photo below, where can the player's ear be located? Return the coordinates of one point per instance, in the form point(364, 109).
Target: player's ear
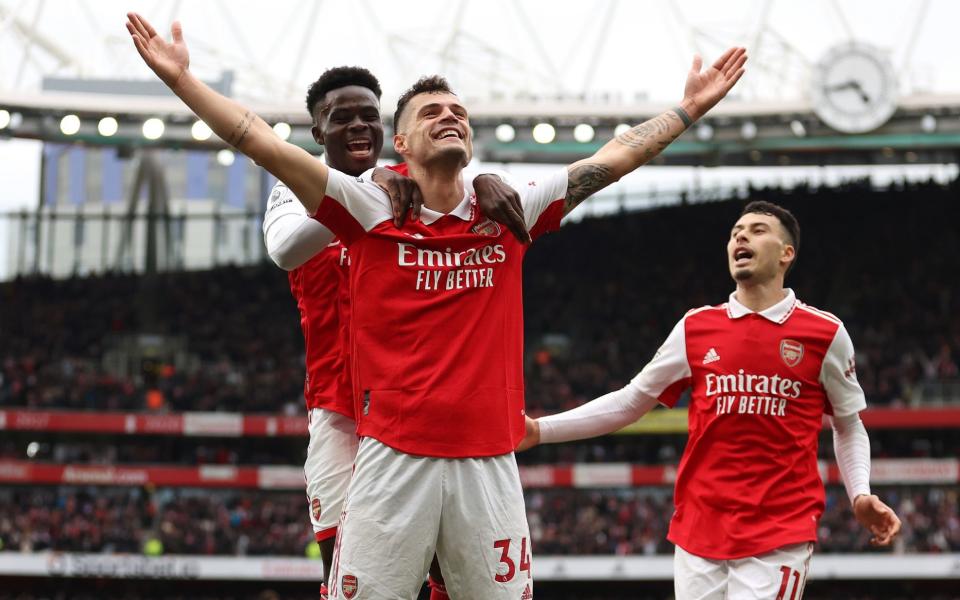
point(317, 134)
point(789, 254)
point(399, 143)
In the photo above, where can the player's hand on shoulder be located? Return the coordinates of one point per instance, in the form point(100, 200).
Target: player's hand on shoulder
point(404, 193)
point(532, 436)
point(879, 518)
point(500, 202)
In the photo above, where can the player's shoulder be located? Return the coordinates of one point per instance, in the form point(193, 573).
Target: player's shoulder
point(343, 186)
point(706, 310)
point(813, 312)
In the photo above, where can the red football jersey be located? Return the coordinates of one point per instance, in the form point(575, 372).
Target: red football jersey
point(321, 289)
point(437, 318)
point(749, 481)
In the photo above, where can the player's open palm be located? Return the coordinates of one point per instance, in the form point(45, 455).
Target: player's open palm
point(708, 86)
point(169, 60)
point(879, 518)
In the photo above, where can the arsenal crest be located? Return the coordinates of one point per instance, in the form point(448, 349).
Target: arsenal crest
point(315, 508)
point(349, 586)
point(791, 351)
point(486, 227)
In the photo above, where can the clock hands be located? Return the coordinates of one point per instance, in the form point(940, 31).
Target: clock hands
point(851, 84)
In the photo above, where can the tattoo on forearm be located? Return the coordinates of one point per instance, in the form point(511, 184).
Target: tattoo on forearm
point(652, 136)
point(642, 133)
point(240, 131)
point(583, 181)
point(687, 121)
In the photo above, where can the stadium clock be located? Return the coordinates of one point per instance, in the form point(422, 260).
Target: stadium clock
point(854, 88)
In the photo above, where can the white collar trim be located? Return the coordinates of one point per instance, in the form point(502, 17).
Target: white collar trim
point(463, 211)
point(778, 313)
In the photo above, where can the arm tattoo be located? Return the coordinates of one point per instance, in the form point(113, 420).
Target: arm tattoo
point(641, 134)
point(240, 131)
point(651, 136)
point(583, 181)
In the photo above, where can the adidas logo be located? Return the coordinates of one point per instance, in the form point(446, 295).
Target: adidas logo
point(527, 593)
point(711, 356)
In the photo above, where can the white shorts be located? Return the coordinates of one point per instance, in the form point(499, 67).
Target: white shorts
point(776, 575)
point(400, 509)
point(330, 455)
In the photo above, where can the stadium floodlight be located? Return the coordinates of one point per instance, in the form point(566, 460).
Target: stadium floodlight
point(797, 128)
point(583, 133)
point(4, 118)
point(225, 157)
point(928, 123)
point(32, 449)
point(621, 129)
point(108, 126)
point(283, 130)
point(705, 132)
point(544, 133)
point(153, 129)
point(505, 133)
point(200, 131)
point(70, 124)
point(748, 130)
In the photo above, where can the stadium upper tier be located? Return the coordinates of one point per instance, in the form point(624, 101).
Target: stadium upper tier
point(736, 133)
point(600, 297)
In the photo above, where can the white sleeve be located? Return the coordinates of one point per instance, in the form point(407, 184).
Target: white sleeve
point(291, 237)
point(363, 200)
point(668, 374)
point(838, 375)
point(471, 173)
point(852, 448)
point(600, 416)
point(537, 196)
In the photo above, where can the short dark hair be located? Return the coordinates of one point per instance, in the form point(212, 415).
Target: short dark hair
point(337, 78)
point(786, 218)
point(431, 84)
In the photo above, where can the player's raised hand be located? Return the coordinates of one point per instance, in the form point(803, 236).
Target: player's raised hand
point(532, 436)
point(706, 87)
point(169, 60)
point(876, 516)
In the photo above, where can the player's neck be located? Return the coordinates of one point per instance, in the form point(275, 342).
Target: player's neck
point(442, 188)
point(761, 296)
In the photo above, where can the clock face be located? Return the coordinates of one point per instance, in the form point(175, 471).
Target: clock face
point(854, 88)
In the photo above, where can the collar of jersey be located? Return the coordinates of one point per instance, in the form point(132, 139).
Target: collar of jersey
point(776, 313)
point(463, 211)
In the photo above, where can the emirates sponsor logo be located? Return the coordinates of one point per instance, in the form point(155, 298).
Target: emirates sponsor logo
point(412, 256)
point(748, 383)
point(711, 356)
point(791, 351)
point(449, 270)
point(349, 586)
point(749, 394)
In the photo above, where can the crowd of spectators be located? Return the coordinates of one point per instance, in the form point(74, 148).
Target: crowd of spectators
point(600, 297)
point(644, 449)
point(562, 521)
